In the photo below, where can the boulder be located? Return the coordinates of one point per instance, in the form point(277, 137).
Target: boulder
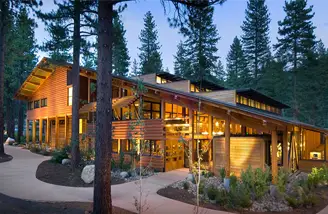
point(124, 174)
point(274, 192)
point(88, 174)
point(10, 141)
point(190, 177)
point(66, 161)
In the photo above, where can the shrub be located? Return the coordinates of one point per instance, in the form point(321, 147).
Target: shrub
point(59, 155)
point(201, 187)
point(317, 176)
point(282, 179)
point(212, 192)
point(207, 174)
point(186, 185)
point(221, 197)
point(222, 173)
point(233, 181)
point(239, 197)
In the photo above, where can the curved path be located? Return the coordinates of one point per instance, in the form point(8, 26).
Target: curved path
point(17, 179)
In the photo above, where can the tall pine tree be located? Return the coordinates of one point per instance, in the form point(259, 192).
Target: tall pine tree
point(256, 37)
point(181, 62)
point(237, 72)
point(150, 56)
point(219, 73)
point(201, 40)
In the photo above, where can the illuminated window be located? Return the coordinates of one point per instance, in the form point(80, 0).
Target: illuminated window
point(70, 96)
point(151, 110)
point(44, 102)
point(37, 104)
point(151, 147)
point(30, 105)
point(192, 87)
point(80, 126)
point(126, 145)
point(114, 145)
point(158, 80)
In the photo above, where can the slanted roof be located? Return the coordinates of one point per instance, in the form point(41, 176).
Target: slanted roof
point(169, 76)
point(208, 85)
point(255, 95)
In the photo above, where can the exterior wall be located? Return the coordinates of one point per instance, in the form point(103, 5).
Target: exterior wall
point(228, 96)
point(307, 165)
point(183, 85)
point(244, 151)
point(55, 90)
point(149, 78)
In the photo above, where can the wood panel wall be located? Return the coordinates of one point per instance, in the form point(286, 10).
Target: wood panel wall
point(55, 90)
point(149, 78)
point(244, 151)
point(228, 96)
point(183, 85)
point(312, 143)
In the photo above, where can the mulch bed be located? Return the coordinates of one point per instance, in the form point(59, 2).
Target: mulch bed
point(5, 158)
point(9, 205)
point(186, 197)
point(58, 174)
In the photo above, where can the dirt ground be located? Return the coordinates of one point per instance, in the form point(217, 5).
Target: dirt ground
point(186, 197)
point(9, 205)
point(59, 174)
point(5, 158)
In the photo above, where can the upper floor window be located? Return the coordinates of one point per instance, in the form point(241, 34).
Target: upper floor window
point(161, 80)
point(30, 105)
point(37, 104)
point(175, 111)
point(151, 110)
point(70, 96)
point(151, 147)
point(114, 145)
point(44, 102)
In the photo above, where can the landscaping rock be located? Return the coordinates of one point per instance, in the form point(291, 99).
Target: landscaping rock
point(269, 204)
point(190, 177)
point(66, 161)
point(274, 192)
point(10, 141)
point(124, 174)
point(88, 174)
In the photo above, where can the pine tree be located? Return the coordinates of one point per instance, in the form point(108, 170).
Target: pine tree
point(135, 70)
point(256, 37)
point(219, 73)
point(181, 65)
point(120, 51)
point(201, 40)
point(320, 49)
point(237, 72)
point(150, 57)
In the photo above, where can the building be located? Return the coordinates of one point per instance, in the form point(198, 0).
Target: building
point(235, 128)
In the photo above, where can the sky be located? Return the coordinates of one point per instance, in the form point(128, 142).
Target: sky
point(227, 17)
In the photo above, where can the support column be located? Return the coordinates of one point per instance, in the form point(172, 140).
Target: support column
point(27, 131)
point(274, 158)
point(33, 131)
point(285, 148)
point(210, 138)
point(191, 141)
point(56, 132)
point(48, 131)
point(66, 130)
point(40, 130)
point(227, 145)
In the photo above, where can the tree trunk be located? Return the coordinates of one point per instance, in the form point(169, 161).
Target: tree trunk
point(3, 13)
point(20, 121)
point(102, 201)
point(76, 86)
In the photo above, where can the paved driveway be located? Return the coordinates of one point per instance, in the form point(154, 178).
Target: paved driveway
point(17, 179)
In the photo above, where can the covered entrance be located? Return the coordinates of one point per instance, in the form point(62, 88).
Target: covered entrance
point(174, 152)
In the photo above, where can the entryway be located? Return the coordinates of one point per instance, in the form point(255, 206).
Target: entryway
point(174, 155)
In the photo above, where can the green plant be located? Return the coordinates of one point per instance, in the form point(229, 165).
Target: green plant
point(282, 179)
point(207, 174)
point(59, 155)
point(292, 201)
point(201, 186)
point(317, 176)
point(88, 155)
point(239, 197)
point(212, 192)
point(222, 173)
point(221, 197)
point(233, 181)
point(186, 185)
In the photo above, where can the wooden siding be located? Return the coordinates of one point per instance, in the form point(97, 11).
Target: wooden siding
point(228, 96)
point(307, 165)
point(149, 78)
point(312, 143)
point(244, 151)
point(55, 90)
point(183, 85)
point(156, 162)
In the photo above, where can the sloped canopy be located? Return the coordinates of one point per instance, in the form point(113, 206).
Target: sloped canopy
point(117, 103)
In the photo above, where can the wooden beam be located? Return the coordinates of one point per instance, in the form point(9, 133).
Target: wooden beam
point(33, 83)
point(274, 158)
point(191, 142)
point(40, 130)
point(66, 130)
point(39, 76)
point(45, 69)
point(56, 131)
point(48, 131)
point(227, 145)
point(27, 131)
point(33, 131)
point(285, 149)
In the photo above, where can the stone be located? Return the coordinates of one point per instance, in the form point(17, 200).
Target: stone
point(66, 161)
point(190, 177)
point(10, 141)
point(274, 192)
point(88, 174)
point(124, 174)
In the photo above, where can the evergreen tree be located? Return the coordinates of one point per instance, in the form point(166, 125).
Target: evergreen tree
point(219, 73)
point(181, 63)
point(201, 40)
point(135, 70)
point(120, 51)
point(320, 49)
point(237, 72)
point(256, 37)
point(150, 57)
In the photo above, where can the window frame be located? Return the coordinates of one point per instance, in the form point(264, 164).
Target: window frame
point(68, 96)
point(30, 105)
point(36, 104)
point(44, 102)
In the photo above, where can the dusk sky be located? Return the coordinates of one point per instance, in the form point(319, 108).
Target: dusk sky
point(228, 19)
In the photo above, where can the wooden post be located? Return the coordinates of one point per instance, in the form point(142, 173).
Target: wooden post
point(210, 138)
point(285, 148)
point(56, 131)
point(48, 131)
point(27, 131)
point(40, 130)
point(227, 145)
point(66, 129)
point(89, 90)
point(33, 131)
point(191, 142)
point(274, 158)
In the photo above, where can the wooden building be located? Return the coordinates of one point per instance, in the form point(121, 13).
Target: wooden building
point(235, 128)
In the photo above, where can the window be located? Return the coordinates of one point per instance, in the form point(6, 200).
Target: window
point(124, 92)
point(126, 145)
point(115, 145)
point(175, 111)
point(70, 96)
point(80, 126)
point(30, 105)
point(69, 77)
point(115, 92)
point(151, 110)
point(151, 147)
point(158, 80)
point(44, 102)
point(37, 104)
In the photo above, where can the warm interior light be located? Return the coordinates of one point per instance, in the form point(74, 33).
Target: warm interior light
point(217, 124)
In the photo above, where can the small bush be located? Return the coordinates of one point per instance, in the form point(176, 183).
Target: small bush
point(239, 197)
point(221, 197)
point(88, 155)
point(282, 179)
point(59, 155)
point(233, 181)
point(212, 192)
point(222, 173)
point(292, 201)
point(201, 187)
point(186, 185)
point(207, 174)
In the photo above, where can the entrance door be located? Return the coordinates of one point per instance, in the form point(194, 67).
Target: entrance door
point(174, 155)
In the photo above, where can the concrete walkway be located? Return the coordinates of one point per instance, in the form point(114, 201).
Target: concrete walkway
point(17, 179)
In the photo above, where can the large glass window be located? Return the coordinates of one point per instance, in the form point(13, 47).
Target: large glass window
point(201, 123)
point(44, 102)
point(70, 96)
point(218, 126)
point(114, 145)
point(312, 145)
point(30, 105)
point(151, 147)
point(126, 145)
point(37, 104)
point(151, 110)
